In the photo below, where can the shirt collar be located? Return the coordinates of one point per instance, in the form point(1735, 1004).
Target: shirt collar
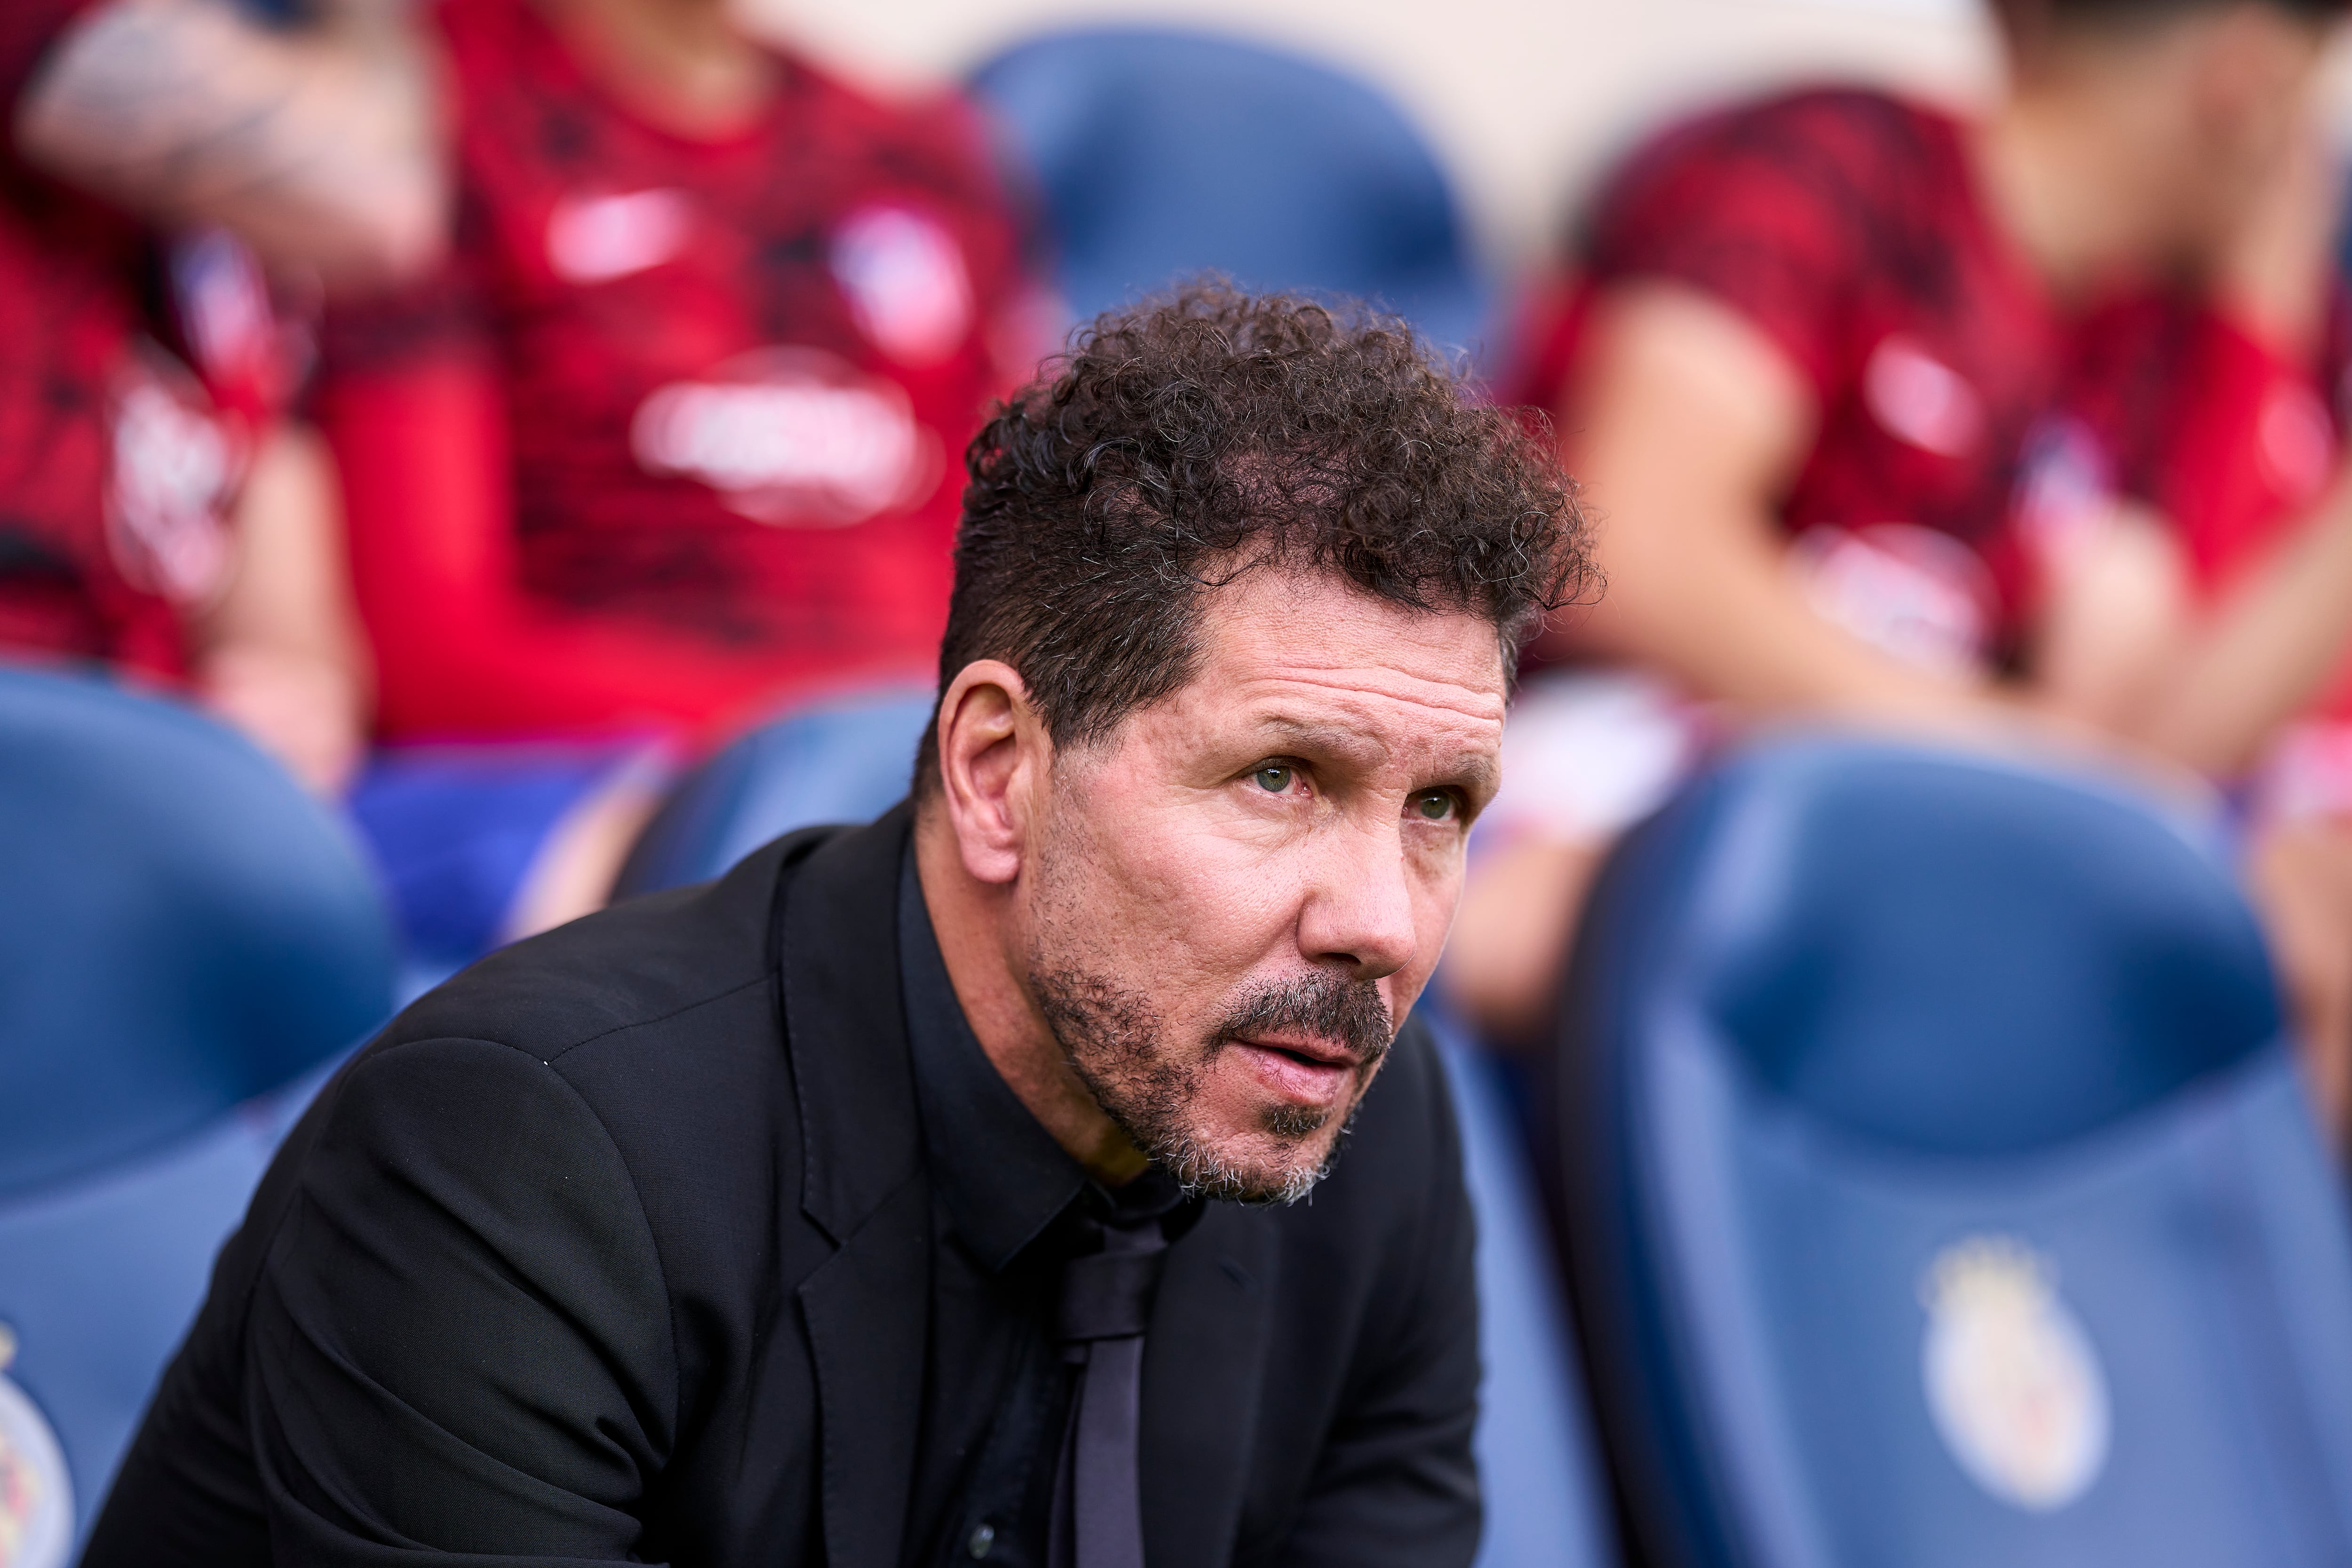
point(1002, 1176)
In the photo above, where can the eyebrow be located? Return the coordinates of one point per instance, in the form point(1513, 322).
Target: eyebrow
point(1480, 772)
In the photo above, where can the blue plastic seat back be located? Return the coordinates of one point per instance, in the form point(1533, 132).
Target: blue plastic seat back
point(847, 761)
point(1942, 1190)
point(184, 928)
point(185, 938)
point(1546, 1493)
point(1159, 154)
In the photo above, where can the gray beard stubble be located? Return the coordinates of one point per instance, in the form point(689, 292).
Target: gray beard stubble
point(1117, 1043)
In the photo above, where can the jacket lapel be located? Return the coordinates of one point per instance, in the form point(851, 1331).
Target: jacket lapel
point(866, 1309)
point(1203, 1362)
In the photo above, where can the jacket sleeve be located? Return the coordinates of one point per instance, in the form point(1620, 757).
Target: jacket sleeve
point(1396, 1483)
point(460, 1339)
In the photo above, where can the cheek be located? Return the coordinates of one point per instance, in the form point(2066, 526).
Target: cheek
point(1212, 905)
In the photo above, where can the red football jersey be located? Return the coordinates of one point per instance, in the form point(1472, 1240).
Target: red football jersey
point(115, 464)
point(1846, 226)
point(680, 428)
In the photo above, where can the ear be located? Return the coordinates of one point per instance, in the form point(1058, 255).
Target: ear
point(994, 755)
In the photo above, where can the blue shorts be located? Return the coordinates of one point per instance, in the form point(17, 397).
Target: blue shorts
point(455, 831)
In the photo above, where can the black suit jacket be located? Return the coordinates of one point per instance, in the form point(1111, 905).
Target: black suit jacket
point(618, 1246)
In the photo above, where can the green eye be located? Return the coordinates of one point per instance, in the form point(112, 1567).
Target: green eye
point(1275, 778)
point(1435, 806)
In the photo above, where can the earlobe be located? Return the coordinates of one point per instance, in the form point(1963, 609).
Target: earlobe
point(991, 745)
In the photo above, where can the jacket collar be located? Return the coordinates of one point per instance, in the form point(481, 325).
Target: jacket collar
point(868, 1307)
point(845, 1024)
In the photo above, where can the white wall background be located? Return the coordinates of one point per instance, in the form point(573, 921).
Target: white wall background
point(1523, 99)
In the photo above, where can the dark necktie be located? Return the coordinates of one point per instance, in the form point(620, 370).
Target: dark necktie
point(1105, 1305)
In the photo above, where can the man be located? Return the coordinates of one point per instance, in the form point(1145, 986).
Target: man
point(155, 518)
point(1820, 369)
point(666, 444)
point(844, 1210)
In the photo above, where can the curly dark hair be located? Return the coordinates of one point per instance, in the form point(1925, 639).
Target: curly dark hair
point(2030, 18)
point(1181, 443)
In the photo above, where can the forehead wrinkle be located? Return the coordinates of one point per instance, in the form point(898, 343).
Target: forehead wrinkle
point(1449, 696)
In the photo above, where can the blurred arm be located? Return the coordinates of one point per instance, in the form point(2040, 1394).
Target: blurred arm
point(1684, 425)
point(315, 145)
point(428, 491)
point(279, 656)
point(2214, 682)
point(2266, 651)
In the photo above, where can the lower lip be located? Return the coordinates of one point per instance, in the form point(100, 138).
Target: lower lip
point(1309, 1083)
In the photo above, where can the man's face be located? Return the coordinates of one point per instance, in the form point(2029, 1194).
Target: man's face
point(1237, 895)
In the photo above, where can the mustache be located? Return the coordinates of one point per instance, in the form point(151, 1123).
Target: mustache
point(1328, 1006)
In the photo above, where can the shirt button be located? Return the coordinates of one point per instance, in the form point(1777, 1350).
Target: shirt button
point(983, 1538)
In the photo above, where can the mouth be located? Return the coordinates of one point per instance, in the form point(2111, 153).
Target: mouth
point(1301, 1068)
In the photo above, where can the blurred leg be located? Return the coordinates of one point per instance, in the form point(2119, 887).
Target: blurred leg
point(1512, 933)
point(2300, 875)
point(574, 870)
point(1588, 752)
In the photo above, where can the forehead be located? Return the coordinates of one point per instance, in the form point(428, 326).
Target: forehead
point(1309, 646)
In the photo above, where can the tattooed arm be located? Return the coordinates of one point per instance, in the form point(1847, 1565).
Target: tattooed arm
point(316, 144)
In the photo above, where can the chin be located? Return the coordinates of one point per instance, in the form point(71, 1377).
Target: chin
point(1274, 1162)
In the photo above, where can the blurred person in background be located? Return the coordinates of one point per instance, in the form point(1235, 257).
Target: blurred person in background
point(667, 443)
point(2226, 412)
point(1830, 368)
point(157, 517)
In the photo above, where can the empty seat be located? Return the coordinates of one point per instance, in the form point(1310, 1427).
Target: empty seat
point(1941, 1190)
point(839, 762)
point(1155, 154)
point(186, 940)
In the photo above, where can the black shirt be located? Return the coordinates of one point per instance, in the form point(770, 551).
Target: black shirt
point(1008, 1207)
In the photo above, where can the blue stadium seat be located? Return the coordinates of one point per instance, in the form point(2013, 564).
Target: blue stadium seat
point(1940, 1189)
point(843, 762)
point(186, 942)
point(1158, 154)
point(1547, 1495)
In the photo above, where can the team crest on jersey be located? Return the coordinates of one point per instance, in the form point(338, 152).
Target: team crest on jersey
point(794, 437)
point(906, 282)
point(174, 466)
point(2013, 1382)
point(37, 1507)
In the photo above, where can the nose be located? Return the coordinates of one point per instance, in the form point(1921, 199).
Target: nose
point(1358, 906)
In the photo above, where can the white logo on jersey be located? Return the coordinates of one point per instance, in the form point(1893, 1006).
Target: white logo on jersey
point(173, 469)
point(595, 239)
point(791, 436)
point(1921, 400)
point(906, 282)
point(2013, 1382)
point(1922, 596)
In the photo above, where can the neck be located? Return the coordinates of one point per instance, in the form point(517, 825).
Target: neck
point(972, 920)
point(2063, 181)
point(678, 63)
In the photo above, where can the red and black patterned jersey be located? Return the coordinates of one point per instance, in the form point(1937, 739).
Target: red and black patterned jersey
point(1846, 226)
point(738, 376)
point(115, 464)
